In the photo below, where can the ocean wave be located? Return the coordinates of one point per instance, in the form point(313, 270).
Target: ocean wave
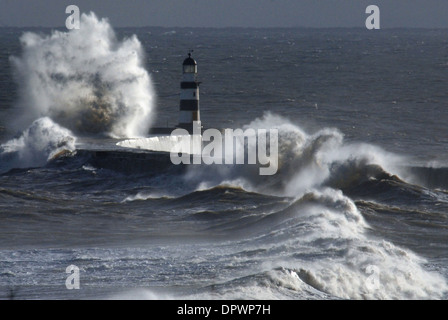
point(142, 196)
point(430, 177)
point(305, 161)
point(347, 251)
point(42, 141)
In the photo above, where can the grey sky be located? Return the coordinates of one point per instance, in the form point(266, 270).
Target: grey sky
point(230, 13)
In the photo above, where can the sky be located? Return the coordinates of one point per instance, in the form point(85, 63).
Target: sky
point(229, 13)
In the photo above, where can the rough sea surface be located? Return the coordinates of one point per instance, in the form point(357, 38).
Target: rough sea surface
point(357, 210)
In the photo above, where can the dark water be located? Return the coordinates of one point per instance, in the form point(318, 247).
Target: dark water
point(362, 183)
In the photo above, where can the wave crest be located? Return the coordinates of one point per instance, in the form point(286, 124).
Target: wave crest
point(39, 143)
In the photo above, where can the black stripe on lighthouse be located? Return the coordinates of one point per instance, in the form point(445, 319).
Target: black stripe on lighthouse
point(189, 105)
point(189, 85)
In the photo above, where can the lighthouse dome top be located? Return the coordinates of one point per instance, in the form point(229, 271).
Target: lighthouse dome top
point(189, 61)
point(190, 65)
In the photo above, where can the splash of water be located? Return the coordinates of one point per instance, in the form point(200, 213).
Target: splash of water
point(305, 161)
point(37, 144)
point(85, 80)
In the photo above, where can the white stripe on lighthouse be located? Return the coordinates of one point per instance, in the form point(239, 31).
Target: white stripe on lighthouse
point(189, 94)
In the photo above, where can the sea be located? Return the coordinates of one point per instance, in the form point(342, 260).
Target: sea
point(358, 208)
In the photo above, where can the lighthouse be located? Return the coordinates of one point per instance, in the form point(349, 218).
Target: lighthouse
point(189, 115)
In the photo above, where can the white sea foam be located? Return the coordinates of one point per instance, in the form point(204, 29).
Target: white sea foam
point(147, 195)
point(353, 263)
point(37, 144)
point(305, 161)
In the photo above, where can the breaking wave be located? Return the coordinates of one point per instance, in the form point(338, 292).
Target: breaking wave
point(305, 161)
point(41, 142)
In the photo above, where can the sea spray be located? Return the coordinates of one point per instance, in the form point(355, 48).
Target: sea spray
point(305, 161)
point(36, 145)
point(85, 80)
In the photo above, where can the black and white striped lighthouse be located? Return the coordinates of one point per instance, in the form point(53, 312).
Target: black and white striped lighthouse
point(189, 115)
